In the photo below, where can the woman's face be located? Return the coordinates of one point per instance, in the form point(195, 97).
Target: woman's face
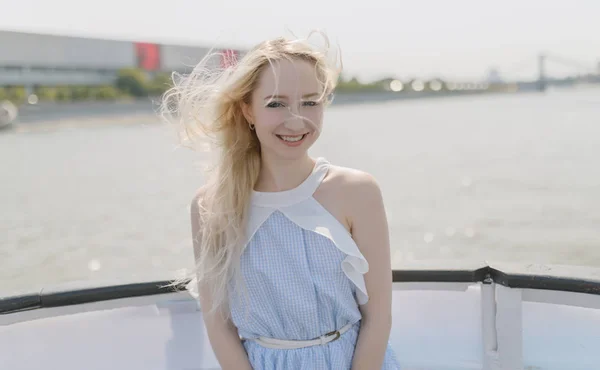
point(286, 109)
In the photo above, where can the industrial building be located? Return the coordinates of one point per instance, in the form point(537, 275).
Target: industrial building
point(31, 60)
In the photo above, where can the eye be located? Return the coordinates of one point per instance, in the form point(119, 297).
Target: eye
point(310, 103)
point(274, 104)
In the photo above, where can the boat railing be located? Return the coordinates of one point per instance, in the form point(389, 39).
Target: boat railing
point(503, 290)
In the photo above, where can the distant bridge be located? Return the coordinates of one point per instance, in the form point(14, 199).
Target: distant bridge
point(580, 72)
point(583, 71)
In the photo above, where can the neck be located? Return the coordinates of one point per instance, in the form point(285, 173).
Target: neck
point(283, 174)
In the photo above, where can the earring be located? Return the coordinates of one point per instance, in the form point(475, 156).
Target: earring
point(252, 126)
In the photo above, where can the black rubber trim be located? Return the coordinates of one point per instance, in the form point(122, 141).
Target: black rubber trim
point(20, 303)
point(65, 298)
point(450, 276)
point(524, 278)
point(524, 281)
point(55, 298)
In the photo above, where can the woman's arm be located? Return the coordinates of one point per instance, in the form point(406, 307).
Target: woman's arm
point(370, 232)
point(222, 334)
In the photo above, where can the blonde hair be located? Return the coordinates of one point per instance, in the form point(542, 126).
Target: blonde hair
point(207, 105)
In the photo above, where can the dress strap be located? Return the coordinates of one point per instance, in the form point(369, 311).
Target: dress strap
point(298, 194)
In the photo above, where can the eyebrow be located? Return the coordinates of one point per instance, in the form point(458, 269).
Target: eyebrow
point(285, 97)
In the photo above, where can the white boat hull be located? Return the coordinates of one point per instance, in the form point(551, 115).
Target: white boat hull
point(8, 113)
point(437, 325)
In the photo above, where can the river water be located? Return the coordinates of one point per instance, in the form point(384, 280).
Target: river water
point(498, 178)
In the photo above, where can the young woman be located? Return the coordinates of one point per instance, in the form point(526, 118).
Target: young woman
point(292, 253)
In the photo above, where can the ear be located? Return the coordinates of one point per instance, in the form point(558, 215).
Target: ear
point(247, 111)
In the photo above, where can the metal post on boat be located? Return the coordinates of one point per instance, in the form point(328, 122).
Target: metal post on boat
point(509, 326)
point(488, 315)
point(501, 313)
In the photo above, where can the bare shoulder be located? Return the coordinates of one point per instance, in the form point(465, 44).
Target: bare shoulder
point(352, 182)
point(352, 196)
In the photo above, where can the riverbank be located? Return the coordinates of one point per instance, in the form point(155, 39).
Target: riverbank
point(46, 115)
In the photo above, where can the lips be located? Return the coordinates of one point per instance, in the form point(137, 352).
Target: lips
point(292, 140)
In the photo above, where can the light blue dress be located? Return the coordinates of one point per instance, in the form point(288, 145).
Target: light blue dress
point(303, 276)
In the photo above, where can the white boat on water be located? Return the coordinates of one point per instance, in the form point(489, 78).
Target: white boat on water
point(8, 113)
point(491, 317)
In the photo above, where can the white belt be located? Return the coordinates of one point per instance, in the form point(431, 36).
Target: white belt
point(294, 344)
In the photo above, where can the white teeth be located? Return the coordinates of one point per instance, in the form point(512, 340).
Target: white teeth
point(291, 138)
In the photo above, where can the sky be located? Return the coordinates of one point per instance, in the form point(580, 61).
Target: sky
point(454, 39)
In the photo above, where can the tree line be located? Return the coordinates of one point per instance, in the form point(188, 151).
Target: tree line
point(131, 83)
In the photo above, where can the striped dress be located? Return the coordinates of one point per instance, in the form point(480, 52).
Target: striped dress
point(303, 277)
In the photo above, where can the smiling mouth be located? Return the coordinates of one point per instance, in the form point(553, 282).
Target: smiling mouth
point(291, 139)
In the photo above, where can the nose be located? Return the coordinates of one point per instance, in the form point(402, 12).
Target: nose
point(294, 124)
point(294, 121)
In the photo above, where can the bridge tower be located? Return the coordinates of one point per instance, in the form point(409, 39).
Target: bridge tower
point(542, 84)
